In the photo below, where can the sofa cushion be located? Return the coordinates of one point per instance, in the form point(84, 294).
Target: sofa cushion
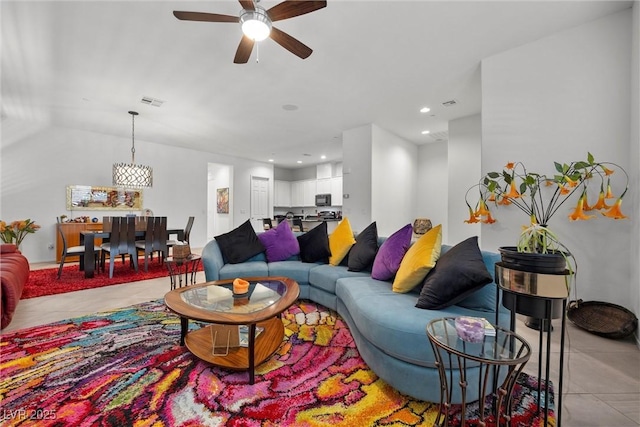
point(280, 243)
point(458, 273)
point(484, 298)
point(240, 244)
point(340, 241)
point(296, 270)
point(390, 320)
point(245, 269)
point(390, 254)
point(325, 276)
point(314, 245)
point(364, 251)
point(418, 261)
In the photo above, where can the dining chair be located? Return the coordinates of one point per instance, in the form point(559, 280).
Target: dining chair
point(122, 241)
point(155, 240)
point(297, 224)
point(72, 250)
point(187, 233)
point(267, 224)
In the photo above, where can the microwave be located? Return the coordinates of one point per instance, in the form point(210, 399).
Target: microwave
point(323, 199)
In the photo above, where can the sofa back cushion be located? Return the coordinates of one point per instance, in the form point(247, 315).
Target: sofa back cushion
point(390, 254)
point(363, 253)
point(314, 245)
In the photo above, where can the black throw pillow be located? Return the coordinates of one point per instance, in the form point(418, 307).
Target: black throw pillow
point(459, 272)
point(363, 253)
point(239, 244)
point(314, 245)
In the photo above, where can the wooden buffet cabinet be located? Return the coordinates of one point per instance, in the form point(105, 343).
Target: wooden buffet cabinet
point(71, 231)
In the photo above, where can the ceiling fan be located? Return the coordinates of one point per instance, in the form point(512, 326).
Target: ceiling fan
point(256, 24)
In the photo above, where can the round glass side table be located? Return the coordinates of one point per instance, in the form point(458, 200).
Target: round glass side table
point(499, 358)
point(183, 266)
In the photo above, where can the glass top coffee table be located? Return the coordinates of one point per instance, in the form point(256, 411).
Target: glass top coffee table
point(230, 341)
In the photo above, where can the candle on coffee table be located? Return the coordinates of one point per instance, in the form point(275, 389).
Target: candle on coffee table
point(240, 286)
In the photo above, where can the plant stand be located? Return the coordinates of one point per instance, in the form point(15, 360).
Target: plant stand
point(543, 296)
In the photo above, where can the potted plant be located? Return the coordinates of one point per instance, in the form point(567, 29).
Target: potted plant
point(16, 231)
point(540, 197)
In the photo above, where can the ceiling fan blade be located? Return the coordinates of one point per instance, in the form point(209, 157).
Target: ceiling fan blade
point(205, 17)
point(290, 8)
point(292, 45)
point(247, 4)
point(244, 50)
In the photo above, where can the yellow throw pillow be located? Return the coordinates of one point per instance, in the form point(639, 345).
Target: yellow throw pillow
point(340, 241)
point(418, 261)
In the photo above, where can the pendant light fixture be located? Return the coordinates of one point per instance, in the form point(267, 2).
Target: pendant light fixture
point(130, 175)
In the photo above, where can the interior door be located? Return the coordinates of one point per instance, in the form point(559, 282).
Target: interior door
point(259, 201)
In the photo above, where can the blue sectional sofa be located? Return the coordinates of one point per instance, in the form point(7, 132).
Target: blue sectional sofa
point(389, 330)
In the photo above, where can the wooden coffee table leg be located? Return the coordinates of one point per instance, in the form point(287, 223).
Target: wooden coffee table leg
point(252, 352)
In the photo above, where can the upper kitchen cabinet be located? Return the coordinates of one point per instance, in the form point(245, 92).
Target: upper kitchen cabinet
point(282, 194)
point(336, 191)
point(323, 186)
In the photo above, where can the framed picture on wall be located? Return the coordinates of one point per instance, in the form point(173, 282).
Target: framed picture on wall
point(87, 197)
point(222, 200)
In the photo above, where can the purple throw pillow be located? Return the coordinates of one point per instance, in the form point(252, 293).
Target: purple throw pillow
point(280, 242)
point(390, 254)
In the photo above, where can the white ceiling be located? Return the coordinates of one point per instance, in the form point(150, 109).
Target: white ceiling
point(83, 65)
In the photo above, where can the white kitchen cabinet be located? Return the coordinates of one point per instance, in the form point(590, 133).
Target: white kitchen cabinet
point(336, 191)
point(282, 193)
point(323, 186)
point(297, 193)
point(310, 191)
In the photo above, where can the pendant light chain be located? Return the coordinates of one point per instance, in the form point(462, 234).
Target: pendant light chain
point(133, 139)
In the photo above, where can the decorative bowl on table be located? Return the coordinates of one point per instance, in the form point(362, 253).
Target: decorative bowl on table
point(470, 329)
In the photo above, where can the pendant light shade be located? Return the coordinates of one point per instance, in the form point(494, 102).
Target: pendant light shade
point(130, 175)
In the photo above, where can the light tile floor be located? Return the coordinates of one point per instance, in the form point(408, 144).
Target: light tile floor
point(601, 377)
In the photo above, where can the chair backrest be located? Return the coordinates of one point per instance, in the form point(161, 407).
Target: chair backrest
point(187, 229)
point(267, 224)
point(297, 222)
point(106, 223)
point(156, 233)
point(123, 234)
point(62, 237)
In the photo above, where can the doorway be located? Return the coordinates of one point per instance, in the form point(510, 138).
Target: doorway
point(259, 201)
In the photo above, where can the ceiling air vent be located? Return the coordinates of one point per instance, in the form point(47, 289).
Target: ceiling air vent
point(151, 101)
point(440, 136)
point(450, 103)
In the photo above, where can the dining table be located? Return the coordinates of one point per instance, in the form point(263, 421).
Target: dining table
point(88, 238)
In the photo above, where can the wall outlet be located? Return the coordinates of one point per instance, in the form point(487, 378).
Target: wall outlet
point(50, 246)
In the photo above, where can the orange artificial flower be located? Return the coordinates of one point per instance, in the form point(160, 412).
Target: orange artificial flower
point(601, 203)
point(586, 206)
point(606, 171)
point(504, 201)
point(513, 192)
point(578, 213)
point(509, 165)
point(615, 211)
point(482, 209)
point(571, 182)
point(609, 193)
point(563, 190)
point(472, 218)
point(492, 197)
point(489, 220)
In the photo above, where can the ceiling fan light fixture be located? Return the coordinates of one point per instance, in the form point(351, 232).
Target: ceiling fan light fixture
point(255, 24)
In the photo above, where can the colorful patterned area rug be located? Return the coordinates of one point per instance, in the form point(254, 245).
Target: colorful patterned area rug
point(45, 281)
point(125, 368)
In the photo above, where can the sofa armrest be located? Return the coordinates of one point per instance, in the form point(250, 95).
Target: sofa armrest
point(212, 261)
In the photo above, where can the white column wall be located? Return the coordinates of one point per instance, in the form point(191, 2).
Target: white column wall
point(432, 192)
point(356, 176)
point(554, 100)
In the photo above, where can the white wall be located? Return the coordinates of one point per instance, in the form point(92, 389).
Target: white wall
point(38, 165)
point(220, 176)
point(433, 186)
point(356, 172)
point(634, 156)
point(394, 165)
point(464, 169)
point(554, 100)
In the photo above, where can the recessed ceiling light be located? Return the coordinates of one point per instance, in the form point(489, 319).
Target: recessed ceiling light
point(299, 161)
point(289, 107)
point(271, 160)
point(323, 157)
point(426, 132)
point(425, 109)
